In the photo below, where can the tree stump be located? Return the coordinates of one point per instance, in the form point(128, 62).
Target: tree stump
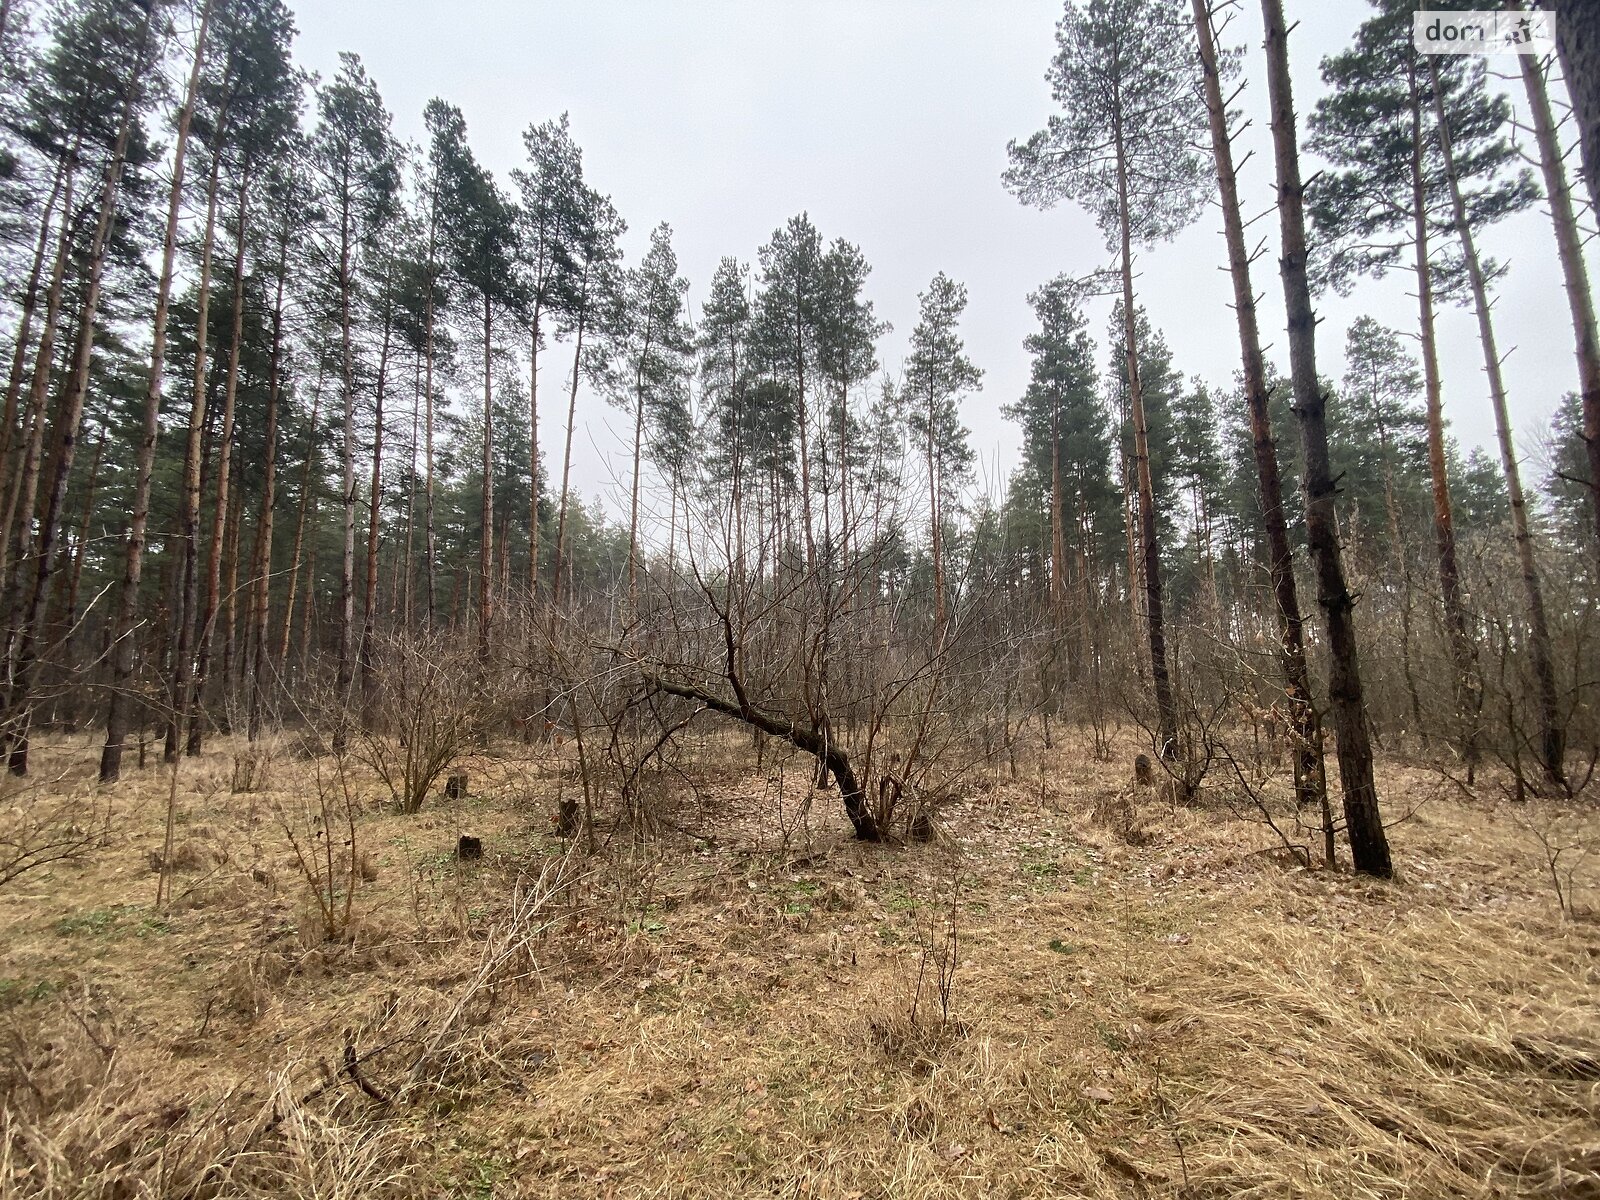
point(455, 784)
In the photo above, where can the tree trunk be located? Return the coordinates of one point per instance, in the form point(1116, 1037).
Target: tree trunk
point(1309, 772)
point(1574, 272)
point(1058, 536)
point(189, 519)
point(819, 745)
point(1166, 710)
point(429, 543)
point(347, 460)
point(127, 604)
point(369, 603)
point(261, 569)
point(69, 418)
point(30, 300)
point(85, 523)
point(533, 454)
point(633, 504)
point(1463, 657)
point(566, 454)
point(306, 476)
point(1578, 44)
point(486, 541)
point(16, 537)
point(936, 533)
point(1552, 735)
point(1368, 845)
point(206, 626)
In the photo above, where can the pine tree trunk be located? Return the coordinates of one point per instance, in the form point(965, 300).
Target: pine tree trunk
point(230, 602)
point(1574, 273)
point(126, 613)
point(16, 537)
point(261, 559)
point(79, 553)
point(1552, 747)
point(206, 626)
point(345, 676)
point(566, 454)
point(30, 301)
point(486, 541)
point(1058, 536)
point(1368, 845)
point(1400, 548)
point(69, 418)
point(935, 534)
point(533, 455)
point(306, 476)
point(369, 602)
point(429, 543)
point(1149, 539)
point(1309, 771)
point(1578, 44)
point(803, 424)
point(1468, 699)
point(404, 574)
point(633, 504)
point(189, 519)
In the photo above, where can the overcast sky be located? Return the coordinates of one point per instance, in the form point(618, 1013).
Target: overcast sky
point(887, 121)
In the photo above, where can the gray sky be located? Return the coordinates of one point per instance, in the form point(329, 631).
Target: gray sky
point(887, 121)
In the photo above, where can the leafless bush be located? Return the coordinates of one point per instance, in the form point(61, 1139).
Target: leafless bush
point(433, 701)
point(917, 1018)
point(1566, 846)
point(322, 833)
point(40, 826)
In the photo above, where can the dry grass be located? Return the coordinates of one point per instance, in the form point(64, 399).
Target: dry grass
point(728, 1009)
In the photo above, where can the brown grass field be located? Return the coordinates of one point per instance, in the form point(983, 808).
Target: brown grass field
point(747, 1003)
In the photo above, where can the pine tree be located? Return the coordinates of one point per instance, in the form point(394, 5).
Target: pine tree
point(1389, 200)
point(1574, 272)
point(263, 102)
point(1065, 442)
point(1125, 77)
point(355, 165)
point(938, 376)
point(123, 649)
point(1369, 846)
point(480, 233)
point(1379, 435)
point(786, 335)
point(550, 190)
point(1471, 150)
point(650, 354)
point(1310, 782)
point(587, 286)
point(126, 46)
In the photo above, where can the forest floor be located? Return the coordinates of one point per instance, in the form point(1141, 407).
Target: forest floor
point(1172, 1009)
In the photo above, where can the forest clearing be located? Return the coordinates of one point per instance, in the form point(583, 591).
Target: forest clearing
point(1163, 1005)
point(483, 715)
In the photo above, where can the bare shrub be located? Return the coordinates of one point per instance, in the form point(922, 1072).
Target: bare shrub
point(433, 702)
point(916, 1017)
point(322, 833)
point(1565, 844)
point(40, 826)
